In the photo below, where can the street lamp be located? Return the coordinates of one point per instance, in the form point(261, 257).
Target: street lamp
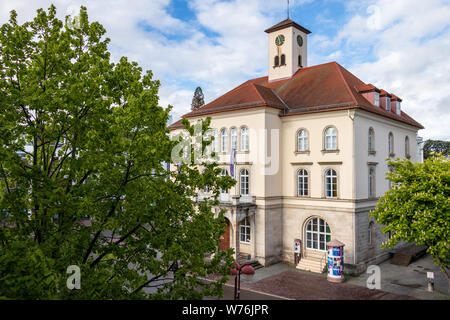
point(247, 272)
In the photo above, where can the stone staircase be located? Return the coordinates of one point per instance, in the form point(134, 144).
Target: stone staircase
point(243, 258)
point(313, 262)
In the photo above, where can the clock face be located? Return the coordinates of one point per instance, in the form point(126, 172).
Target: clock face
point(279, 40)
point(300, 40)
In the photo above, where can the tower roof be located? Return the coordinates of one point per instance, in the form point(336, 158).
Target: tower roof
point(285, 24)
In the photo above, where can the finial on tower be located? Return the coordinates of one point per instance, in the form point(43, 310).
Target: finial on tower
point(288, 9)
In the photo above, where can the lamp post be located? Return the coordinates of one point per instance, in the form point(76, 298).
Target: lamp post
point(246, 270)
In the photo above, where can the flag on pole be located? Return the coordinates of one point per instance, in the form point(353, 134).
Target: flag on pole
point(232, 161)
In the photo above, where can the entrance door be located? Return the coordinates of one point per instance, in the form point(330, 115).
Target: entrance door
point(225, 238)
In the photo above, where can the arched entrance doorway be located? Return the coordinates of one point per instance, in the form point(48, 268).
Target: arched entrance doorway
point(225, 238)
point(318, 233)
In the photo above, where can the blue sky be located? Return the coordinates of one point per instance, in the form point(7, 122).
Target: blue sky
point(402, 46)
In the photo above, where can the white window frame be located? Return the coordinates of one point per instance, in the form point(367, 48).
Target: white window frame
point(388, 104)
point(215, 143)
point(391, 143)
point(244, 139)
point(234, 140)
point(376, 98)
point(398, 108)
point(302, 140)
point(245, 231)
point(224, 140)
point(313, 236)
point(330, 137)
point(244, 180)
point(332, 181)
point(302, 185)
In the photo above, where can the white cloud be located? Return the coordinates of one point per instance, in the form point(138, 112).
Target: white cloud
point(401, 46)
point(410, 57)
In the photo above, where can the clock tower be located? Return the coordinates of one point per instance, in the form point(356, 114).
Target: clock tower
point(288, 49)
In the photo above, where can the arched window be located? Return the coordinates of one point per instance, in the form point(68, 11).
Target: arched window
point(407, 155)
point(330, 139)
point(302, 183)
point(317, 234)
point(391, 144)
point(371, 140)
point(299, 60)
point(302, 140)
point(371, 233)
point(330, 183)
point(233, 134)
point(245, 230)
point(283, 59)
point(277, 61)
point(223, 140)
point(244, 182)
point(244, 139)
point(371, 182)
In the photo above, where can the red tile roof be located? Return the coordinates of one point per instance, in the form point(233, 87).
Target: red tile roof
point(385, 93)
point(320, 88)
point(368, 88)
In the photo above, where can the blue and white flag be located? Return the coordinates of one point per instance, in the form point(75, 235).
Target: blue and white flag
point(232, 161)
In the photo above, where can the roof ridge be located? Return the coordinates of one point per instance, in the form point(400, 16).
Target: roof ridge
point(257, 92)
point(338, 68)
point(274, 93)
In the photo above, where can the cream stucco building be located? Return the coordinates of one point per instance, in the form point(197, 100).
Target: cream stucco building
point(311, 147)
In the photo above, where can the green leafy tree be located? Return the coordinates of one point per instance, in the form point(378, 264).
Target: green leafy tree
point(82, 183)
point(432, 147)
point(417, 209)
point(198, 100)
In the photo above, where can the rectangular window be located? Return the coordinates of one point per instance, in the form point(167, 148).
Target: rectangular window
point(245, 231)
point(388, 104)
point(376, 99)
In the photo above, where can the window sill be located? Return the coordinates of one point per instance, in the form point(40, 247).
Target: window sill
point(391, 155)
point(242, 152)
point(244, 242)
point(302, 197)
point(330, 151)
point(302, 152)
point(372, 153)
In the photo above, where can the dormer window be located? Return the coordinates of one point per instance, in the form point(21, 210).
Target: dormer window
point(376, 97)
point(388, 104)
point(398, 108)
